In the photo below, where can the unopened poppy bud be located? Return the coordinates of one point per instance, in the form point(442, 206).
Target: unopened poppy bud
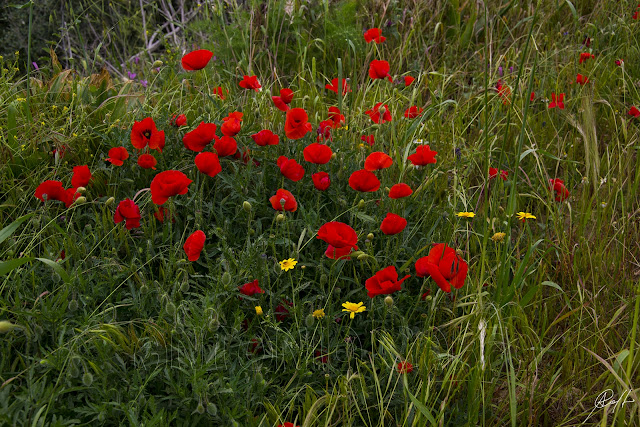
point(323, 279)
point(309, 321)
point(87, 379)
point(110, 201)
point(200, 408)
point(246, 206)
point(459, 252)
point(171, 308)
point(362, 257)
point(252, 232)
point(279, 218)
point(157, 64)
point(361, 204)
point(214, 324)
point(73, 305)
point(334, 155)
point(6, 326)
point(144, 289)
point(184, 287)
point(80, 200)
point(370, 236)
point(226, 278)
point(212, 409)
point(388, 301)
point(356, 254)
point(80, 190)
point(387, 189)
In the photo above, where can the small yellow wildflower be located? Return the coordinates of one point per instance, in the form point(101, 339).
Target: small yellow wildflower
point(522, 216)
point(318, 314)
point(288, 264)
point(259, 311)
point(498, 237)
point(352, 308)
point(466, 214)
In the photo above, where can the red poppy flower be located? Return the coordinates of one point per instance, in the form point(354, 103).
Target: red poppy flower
point(297, 125)
point(232, 124)
point(282, 102)
point(250, 82)
point(558, 187)
point(504, 92)
point(324, 130)
point(284, 201)
point(225, 146)
point(423, 156)
point(218, 91)
point(374, 35)
point(393, 224)
point(444, 266)
point(145, 133)
point(336, 117)
point(400, 190)
point(369, 139)
point(265, 137)
point(635, 15)
point(333, 87)
point(585, 56)
point(246, 156)
point(321, 180)
point(633, 111)
point(319, 154)
point(177, 121)
point(167, 184)
point(81, 176)
point(412, 112)
point(129, 212)
point(377, 116)
point(363, 180)
point(582, 80)
point(338, 234)
point(532, 97)
point(208, 163)
point(384, 282)
point(147, 161)
point(194, 244)
point(322, 357)
point(408, 80)
point(619, 62)
point(493, 172)
point(379, 70)
point(55, 191)
point(163, 212)
point(404, 367)
point(251, 288)
point(339, 253)
point(377, 160)
point(117, 155)
point(196, 60)
point(290, 168)
point(559, 103)
point(200, 137)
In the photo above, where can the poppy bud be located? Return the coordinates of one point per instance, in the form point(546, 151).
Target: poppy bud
point(246, 206)
point(459, 252)
point(323, 279)
point(252, 232)
point(279, 218)
point(370, 236)
point(428, 298)
point(6, 326)
point(73, 368)
point(387, 189)
point(362, 257)
point(214, 324)
point(73, 305)
point(361, 204)
point(334, 155)
point(212, 409)
point(110, 201)
point(309, 321)
point(184, 287)
point(144, 289)
point(226, 278)
point(171, 308)
point(388, 301)
point(80, 190)
point(200, 408)
point(80, 200)
point(157, 64)
point(87, 379)
point(356, 254)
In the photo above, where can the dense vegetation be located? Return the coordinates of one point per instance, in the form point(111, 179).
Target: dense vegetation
point(128, 295)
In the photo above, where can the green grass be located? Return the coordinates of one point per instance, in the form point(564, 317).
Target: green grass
point(125, 330)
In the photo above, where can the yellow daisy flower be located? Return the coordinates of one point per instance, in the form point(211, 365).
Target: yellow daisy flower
point(352, 308)
point(288, 264)
point(259, 311)
point(522, 216)
point(466, 214)
point(318, 314)
point(499, 236)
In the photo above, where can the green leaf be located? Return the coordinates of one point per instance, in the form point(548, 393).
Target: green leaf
point(7, 266)
point(9, 229)
point(421, 407)
point(56, 267)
